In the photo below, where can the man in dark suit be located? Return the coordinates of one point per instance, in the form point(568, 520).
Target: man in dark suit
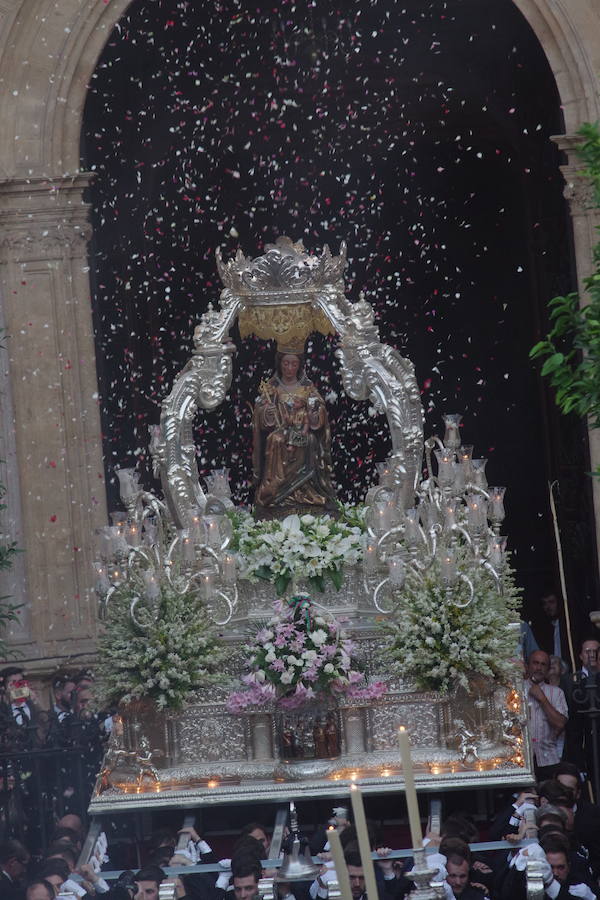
point(550, 629)
point(578, 734)
point(586, 823)
point(14, 859)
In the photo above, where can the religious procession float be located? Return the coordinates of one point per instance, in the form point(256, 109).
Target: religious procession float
point(295, 648)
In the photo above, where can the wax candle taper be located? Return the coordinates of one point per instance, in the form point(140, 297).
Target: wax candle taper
point(364, 844)
point(410, 792)
point(341, 869)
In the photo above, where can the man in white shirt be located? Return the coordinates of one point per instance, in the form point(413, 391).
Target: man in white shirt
point(548, 715)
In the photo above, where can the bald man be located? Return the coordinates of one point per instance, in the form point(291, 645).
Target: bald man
point(548, 715)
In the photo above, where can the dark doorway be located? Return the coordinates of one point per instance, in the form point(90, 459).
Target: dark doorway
point(418, 132)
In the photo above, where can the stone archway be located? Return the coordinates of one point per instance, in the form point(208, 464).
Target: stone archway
point(48, 51)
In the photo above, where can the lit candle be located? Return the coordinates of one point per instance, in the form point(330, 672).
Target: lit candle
point(446, 465)
point(364, 844)
point(213, 535)
point(396, 570)
point(448, 565)
point(497, 551)
point(370, 554)
point(497, 503)
point(449, 510)
point(188, 552)
point(382, 519)
point(195, 528)
point(102, 584)
point(341, 869)
point(151, 584)
point(229, 569)
point(207, 582)
point(411, 527)
point(132, 535)
point(410, 792)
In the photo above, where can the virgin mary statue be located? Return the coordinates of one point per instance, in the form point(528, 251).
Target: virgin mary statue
point(291, 450)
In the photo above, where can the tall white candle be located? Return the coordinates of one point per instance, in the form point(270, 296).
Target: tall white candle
point(414, 819)
point(341, 869)
point(364, 844)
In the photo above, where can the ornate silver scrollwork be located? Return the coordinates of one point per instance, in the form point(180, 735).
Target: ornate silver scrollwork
point(370, 369)
point(202, 384)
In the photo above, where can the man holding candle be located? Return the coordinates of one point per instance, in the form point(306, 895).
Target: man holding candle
point(548, 715)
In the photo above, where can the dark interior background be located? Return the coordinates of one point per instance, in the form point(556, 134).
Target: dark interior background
point(416, 131)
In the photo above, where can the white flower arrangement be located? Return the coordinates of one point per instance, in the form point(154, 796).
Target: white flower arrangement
point(441, 645)
point(178, 653)
point(309, 547)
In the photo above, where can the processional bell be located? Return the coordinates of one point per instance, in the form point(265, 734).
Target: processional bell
point(296, 866)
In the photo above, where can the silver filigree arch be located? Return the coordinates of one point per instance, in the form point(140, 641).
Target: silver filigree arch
point(370, 370)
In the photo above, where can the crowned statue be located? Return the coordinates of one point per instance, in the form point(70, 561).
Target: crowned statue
point(291, 445)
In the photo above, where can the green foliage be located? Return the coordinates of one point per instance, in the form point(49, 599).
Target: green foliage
point(571, 350)
point(165, 659)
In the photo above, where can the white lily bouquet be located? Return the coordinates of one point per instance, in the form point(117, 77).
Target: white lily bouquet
point(315, 548)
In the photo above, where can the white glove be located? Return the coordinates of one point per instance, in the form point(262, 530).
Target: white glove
point(72, 887)
point(224, 877)
point(582, 890)
point(532, 851)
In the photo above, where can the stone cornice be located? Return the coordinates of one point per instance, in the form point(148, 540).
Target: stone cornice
point(42, 218)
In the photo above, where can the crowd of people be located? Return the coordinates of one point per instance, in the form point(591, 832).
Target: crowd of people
point(49, 757)
point(550, 822)
point(561, 826)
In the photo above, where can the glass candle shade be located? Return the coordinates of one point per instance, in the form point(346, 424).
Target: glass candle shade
point(188, 552)
point(496, 504)
point(397, 570)
point(207, 586)
point(220, 482)
point(497, 551)
point(464, 455)
point(448, 565)
point(104, 542)
point(381, 518)
point(478, 468)
point(449, 513)
point(452, 433)
point(212, 531)
point(430, 515)
point(385, 473)
point(102, 582)
point(132, 535)
point(128, 483)
point(116, 576)
point(411, 527)
point(446, 466)
point(151, 585)
point(476, 514)
point(150, 532)
point(195, 527)
point(229, 569)
point(369, 553)
point(118, 519)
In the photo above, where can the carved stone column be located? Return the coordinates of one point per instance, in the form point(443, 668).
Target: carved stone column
point(579, 194)
point(44, 231)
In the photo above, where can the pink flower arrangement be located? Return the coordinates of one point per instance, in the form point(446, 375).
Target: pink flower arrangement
point(300, 655)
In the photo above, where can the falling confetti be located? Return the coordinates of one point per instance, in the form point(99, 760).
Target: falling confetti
point(404, 128)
